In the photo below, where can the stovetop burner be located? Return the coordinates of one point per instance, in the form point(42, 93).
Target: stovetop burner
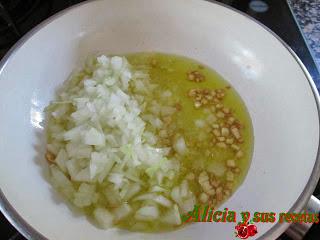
point(18, 10)
point(19, 16)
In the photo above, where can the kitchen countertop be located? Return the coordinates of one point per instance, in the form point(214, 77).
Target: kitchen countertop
point(307, 13)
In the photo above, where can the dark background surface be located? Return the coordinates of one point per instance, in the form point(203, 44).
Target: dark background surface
point(19, 16)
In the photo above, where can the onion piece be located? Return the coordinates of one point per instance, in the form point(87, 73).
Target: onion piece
point(172, 217)
point(61, 159)
point(180, 146)
point(147, 213)
point(121, 212)
point(103, 217)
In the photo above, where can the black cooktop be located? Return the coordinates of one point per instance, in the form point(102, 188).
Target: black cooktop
point(19, 16)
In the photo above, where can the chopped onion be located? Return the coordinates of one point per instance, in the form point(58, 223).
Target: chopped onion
point(163, 201)
point(172, 216)
point(133, 190)
point(165, 111)
point(61, 182)
point(200, 123)
point(147, 213)
point(121, 212)
point(85, 195)
point(94, 137)
point(166, 94)
point(217, 168)
point(61, 159)
point(106, 159)
point(103, 217)
point(180, 146)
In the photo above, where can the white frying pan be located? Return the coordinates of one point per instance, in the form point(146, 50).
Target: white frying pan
point(278, 92)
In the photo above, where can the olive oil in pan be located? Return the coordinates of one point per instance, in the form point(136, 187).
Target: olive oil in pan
point(209, 116)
